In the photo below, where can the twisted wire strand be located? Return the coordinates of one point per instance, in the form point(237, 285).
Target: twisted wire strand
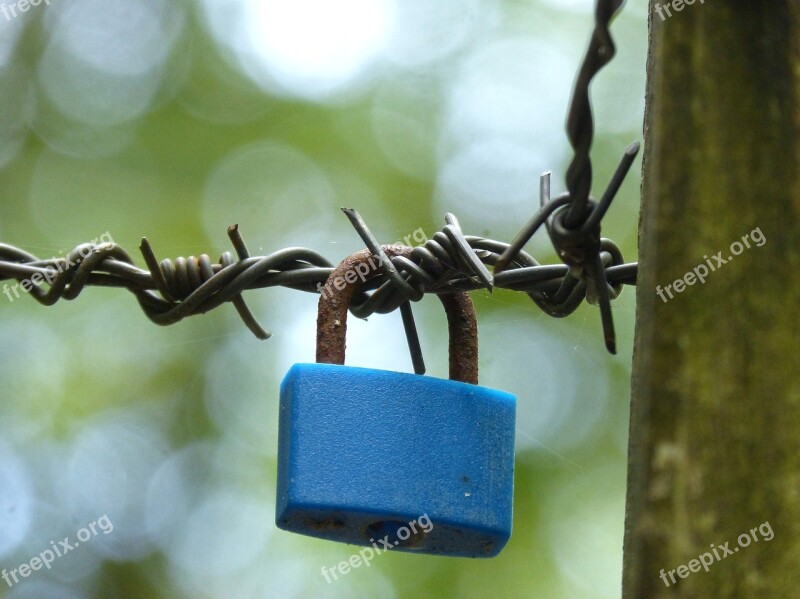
point(171, 290)
point(580, 122)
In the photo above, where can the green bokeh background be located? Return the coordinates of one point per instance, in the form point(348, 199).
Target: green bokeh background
point(96, 398)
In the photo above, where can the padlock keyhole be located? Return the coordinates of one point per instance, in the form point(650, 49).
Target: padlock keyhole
point(408, 535)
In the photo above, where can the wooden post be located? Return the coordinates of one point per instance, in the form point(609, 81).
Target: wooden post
point(715, 411)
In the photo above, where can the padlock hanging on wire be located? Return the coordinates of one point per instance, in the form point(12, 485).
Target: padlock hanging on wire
point(364, 453)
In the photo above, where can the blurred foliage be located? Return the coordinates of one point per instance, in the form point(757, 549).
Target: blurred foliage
point(174, 120)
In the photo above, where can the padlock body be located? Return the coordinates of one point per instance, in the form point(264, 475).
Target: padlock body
point(362, 453)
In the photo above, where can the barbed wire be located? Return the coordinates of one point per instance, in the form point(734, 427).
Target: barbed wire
point(593, 267)
point(171, 290)
point(575, 229)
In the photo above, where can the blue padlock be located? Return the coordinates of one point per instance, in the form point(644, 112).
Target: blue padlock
point(364, 455)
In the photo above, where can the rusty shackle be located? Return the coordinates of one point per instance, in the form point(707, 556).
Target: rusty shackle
point(334, 303)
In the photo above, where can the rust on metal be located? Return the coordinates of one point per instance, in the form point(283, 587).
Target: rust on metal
point(334, 303)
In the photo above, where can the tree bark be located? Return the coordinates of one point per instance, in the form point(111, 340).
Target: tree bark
point(715, 411)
